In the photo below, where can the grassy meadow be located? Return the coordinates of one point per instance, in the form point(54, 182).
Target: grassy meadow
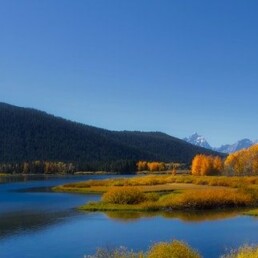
point(169, 193)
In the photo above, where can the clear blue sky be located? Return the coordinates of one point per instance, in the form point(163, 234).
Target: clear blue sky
point(172, 66)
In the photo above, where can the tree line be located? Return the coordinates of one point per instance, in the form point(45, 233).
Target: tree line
point(37, 167)
point(55, 167)
point(240, 163)
point(243, 162)
point(159, 166)
point(32, 135)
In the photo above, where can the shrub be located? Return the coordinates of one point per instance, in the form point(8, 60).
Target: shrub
point(152, 197)
point(123, 195)
point(121, 252)
point(243, 252)
point(175, 249)
point(209, 198)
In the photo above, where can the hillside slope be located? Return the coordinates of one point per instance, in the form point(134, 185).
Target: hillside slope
point(28, 134)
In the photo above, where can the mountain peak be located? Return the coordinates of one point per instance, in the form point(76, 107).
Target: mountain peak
point(198, 140)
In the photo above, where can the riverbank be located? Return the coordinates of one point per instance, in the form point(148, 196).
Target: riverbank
point(168, 193)
point(43, 213)
point(79, 173)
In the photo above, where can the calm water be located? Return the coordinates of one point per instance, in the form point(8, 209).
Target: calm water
point(35, 222)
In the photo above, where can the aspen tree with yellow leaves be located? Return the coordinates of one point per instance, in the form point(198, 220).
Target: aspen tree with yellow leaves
point(203, 165)
point(243, 162)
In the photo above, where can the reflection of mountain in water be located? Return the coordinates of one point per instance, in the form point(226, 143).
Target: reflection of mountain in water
point(13, 223)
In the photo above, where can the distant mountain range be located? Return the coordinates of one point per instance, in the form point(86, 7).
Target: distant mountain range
point(27, 135)
point(199, 140)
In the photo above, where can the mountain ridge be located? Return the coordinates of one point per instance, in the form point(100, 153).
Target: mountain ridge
point(200, 140)
point(27, 134)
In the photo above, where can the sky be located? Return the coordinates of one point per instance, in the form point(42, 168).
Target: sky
point(173, 66)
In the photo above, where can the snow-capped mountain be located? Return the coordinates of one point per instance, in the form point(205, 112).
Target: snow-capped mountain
point(199, 140)
point(229, 148)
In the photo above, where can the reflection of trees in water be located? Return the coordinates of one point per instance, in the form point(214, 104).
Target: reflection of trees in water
point(23, 178)
point(186, 216)
point(20, 178)
point(13, 223)
point(199, 216)
point(129, 215)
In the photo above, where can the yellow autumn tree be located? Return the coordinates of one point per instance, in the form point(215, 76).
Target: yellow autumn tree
point(206, 166)
point(218, 164)
point(203, 165)
point(156, 166)
point(243, 162)
point(142, 165)
point(150, 166)
point(196, 165)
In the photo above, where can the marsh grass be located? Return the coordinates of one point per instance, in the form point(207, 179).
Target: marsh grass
point(158, 180)
point(168, 192)
point(246, 251)
point(132, 199)
point(124, 195)
point(174, 249)
point(209, 199)
point(121, 252)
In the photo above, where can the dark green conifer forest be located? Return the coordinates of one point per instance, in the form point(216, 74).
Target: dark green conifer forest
point(33, 141)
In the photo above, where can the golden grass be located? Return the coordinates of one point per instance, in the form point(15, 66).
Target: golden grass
point(124, 195)
point(153, 183)
point(168, 192)
point(175, 249)
point(158, 180)
point(128, 199)
point(243, 252)
point(209, 199)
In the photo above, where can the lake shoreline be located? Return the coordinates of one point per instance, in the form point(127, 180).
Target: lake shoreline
point(80, 173)
point(167, 193)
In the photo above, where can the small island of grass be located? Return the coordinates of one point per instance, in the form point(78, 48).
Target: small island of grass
point(168, 193)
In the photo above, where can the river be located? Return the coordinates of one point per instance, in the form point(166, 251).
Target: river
point(38, 223)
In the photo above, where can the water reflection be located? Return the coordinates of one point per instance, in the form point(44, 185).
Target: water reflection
point(26, 221)
point(186, 216)
point(30, 213)
point(26, 178)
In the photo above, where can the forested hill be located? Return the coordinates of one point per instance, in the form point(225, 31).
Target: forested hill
point(28, 135)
